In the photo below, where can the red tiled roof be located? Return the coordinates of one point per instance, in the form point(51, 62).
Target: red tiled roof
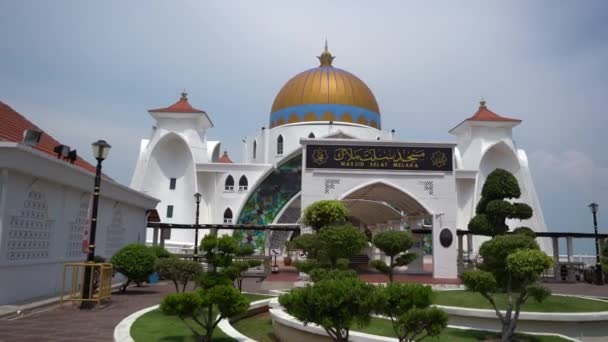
point(225, 159)
point(12, 125)
point(484, 114)
point(181, 106)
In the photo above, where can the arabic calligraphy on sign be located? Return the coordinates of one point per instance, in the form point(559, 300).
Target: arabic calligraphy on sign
point(379, 157)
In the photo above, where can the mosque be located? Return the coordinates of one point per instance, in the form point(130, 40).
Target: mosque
point(324, 140)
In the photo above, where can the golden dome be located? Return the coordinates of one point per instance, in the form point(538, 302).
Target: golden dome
point(325, 85)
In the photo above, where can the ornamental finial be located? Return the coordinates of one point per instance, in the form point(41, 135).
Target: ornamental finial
point(184, 96)
point(326, 58)
point(482, 103)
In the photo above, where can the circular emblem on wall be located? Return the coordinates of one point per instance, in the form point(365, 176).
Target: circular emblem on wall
point(319, 156)
point(446, 237)
point(439, 159)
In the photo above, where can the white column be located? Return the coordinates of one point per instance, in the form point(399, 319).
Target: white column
point(556, 259)
point(569, 248)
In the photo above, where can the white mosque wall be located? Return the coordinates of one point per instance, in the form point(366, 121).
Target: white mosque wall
point(171, 157)
point(43, 207)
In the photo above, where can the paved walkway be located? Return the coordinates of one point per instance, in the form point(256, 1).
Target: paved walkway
point(70, 324)
point(580, 289)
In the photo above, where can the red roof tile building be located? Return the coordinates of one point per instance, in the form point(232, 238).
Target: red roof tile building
point(12, 126)
point(44, 210)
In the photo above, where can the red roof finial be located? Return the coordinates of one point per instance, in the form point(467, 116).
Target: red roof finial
point(484, 114)
point(181, 106)
point(224, 158)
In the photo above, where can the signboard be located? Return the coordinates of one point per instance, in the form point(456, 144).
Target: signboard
point(403, 158)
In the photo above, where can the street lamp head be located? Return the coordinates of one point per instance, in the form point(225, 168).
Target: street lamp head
point(594, 207)
point(101, 149)
point(197, 197)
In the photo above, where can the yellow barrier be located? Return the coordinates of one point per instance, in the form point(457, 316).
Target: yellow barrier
point(100, 282)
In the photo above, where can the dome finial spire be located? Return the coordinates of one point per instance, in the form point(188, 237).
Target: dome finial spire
point(326, 58)
point(184, 95)
point(482, 103)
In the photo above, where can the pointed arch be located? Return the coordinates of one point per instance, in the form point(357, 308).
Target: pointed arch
point(229, 183)
point(243, 183)
point(280, 144)
point(228, 216)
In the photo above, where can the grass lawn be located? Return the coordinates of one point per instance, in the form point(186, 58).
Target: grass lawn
point(259, 328)
point(551, 304)
point(155, 326)
point(383, 327)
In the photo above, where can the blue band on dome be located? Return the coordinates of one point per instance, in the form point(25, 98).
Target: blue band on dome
point(325, 112)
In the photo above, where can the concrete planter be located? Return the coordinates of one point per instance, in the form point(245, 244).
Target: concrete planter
point(583, 326)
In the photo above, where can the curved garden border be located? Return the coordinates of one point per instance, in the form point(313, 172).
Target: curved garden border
point(587, 326)
point(122, 331)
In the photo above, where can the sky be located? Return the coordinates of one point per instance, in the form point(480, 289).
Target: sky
point(85, 70)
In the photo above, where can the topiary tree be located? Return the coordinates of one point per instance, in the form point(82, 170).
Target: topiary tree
point(493, 209)
point(160, 252)
point(235, 271)
point(337, 243)
point(218, 251)
point(393, 244)
point(201, 308)
point(512, 264)
point(178, 271)
point(409, 308)
point(335, 304)
point(304, 243)
point(134, 261)
point(324, 213)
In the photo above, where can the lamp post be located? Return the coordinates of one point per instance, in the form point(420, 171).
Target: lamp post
point(100, 151)
point(197, 198)
point(599, 275)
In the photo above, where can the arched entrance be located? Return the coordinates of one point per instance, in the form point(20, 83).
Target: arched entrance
point(380, 206)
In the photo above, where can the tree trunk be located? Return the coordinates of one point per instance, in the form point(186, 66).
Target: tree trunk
point(123, 287)
point(505, 335)
point(390, 270)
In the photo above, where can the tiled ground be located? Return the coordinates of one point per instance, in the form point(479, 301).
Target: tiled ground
point(71, 324)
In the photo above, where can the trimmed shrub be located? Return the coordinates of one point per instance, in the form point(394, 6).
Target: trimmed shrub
point(394, 244)
point(160, 252)
point(335, 304)
point(134, 261)
point(324, 213)
point(200, 307)
point(178, 271)
point(409, 308)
